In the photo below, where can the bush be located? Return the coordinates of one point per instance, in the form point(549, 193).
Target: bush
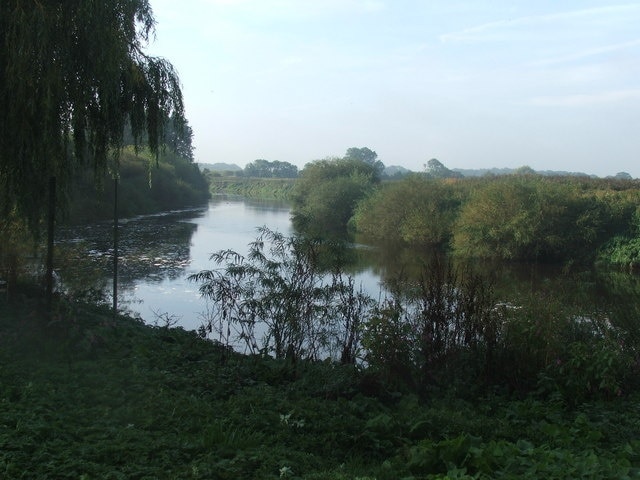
point(281, 301)
point(441, 331)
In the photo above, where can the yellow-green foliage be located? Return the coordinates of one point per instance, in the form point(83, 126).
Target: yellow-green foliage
point(266, 188)
point(415, 210)
point(514, 217)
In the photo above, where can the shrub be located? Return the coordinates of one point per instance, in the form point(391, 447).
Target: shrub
point(280, 291)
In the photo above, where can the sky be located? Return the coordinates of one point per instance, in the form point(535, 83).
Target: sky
point(554, 85)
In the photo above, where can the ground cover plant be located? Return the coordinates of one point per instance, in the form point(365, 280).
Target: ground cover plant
point(90, 396)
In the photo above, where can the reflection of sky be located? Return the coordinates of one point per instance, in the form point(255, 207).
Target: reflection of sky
point(158, 252)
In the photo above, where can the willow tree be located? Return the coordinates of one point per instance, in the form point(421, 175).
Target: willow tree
point(73, 73)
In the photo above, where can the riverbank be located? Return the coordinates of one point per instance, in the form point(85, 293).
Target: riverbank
point(145, 186)
point(89, 396)
point(261, 188)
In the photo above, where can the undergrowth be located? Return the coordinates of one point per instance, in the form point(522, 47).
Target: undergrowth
point(85, 395)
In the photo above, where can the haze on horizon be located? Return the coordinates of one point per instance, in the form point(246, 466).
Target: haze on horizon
point(475, 84)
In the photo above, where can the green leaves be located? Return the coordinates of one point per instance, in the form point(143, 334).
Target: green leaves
point(327, 192)
point(72, 75)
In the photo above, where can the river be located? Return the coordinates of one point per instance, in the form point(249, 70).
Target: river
point(159, 252)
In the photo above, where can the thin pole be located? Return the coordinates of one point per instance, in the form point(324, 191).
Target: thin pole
point(115, 247)
point(50, 237)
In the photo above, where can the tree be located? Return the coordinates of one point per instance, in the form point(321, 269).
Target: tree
point(414, 211)
point(178, 136)
point(327, 192)
point(623, 176)
point(265, 169)
point(435, 169)
point(72, 75)
point(532, 218)
point(365, 155)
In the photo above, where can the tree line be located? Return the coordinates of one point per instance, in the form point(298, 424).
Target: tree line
point(521, 217)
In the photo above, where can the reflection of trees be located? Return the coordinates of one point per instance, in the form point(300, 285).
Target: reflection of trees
point(623, 299)
point(587, 292)
point(269, 205)
point(153, 247)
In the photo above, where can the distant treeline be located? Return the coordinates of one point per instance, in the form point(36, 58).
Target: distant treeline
point(257, 169)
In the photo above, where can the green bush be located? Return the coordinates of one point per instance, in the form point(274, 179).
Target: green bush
point(413, 211)
point(144, 187)
point(327, 192)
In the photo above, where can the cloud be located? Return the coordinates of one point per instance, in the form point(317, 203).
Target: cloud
point(585, 100)
point(592, 52)
point(499, 30)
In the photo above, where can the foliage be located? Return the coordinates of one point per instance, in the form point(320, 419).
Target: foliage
point(413, 211)
point(624, 249)
point(517, 217)
point(266, 169)
point(327, 192)
point(435, 169)
point(91, 396)
point(262, 188)
point(447, 330)
point(367, 156)
point(178, 137)
point(72, 75)
point(442, 331)
point(534, 218)
point(15, 245)
point(174, 183)
point(281, 293)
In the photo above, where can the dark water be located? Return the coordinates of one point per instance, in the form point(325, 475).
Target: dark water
point(159, 252)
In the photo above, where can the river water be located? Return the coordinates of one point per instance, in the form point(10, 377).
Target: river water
point(159, 252)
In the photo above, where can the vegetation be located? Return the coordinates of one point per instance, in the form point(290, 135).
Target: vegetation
point(436, 380)
point(267, 169)
point(279, 300)
point(435, 169)
point(73, 75)
point(444, 329)
point(267, 188)
point(174, 182)
point(413, 211)
point(327, 193)
point(92, 396)
point(519, 217)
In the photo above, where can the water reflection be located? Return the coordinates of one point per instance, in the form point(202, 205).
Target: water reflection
point(578, 291)
point(159, 252)
point(152, 247)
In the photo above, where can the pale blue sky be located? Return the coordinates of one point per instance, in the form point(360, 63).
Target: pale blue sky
point(549, 84)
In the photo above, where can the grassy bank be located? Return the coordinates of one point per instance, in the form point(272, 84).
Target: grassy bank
point(89, 396)
point(267, 188)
